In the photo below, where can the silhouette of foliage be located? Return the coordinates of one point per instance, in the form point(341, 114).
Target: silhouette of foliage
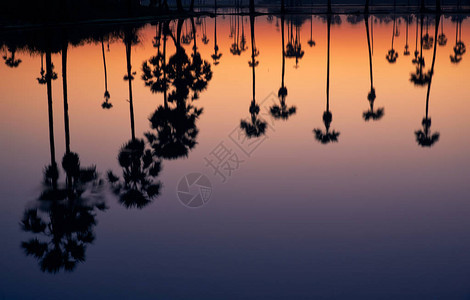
point(63, 218)
point(140, 172)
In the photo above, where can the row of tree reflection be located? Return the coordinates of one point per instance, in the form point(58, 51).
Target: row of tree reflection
point(63, 218)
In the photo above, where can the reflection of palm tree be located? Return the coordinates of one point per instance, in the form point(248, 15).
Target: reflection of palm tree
point(424, 137)
point(407, 47)
point(51, 171)
point(239, 41)
point(282, 111)
point(256, 127)
point(205, 39)
point(459, 48)
point(140, 170)
point(416, 53)
point(11, 61)
point(442, 39)
point(154, 70)
point(63, 226)
point(175, 126)
point(129, 39)
point(216, 56)
point(311, 42)
point(371, 114)
point(327, 136)
point(106, 104)
point(294, 46)
point(420, 77)
point(64, 217)
point(427, 40)
point(392, 55)
point(42, 79)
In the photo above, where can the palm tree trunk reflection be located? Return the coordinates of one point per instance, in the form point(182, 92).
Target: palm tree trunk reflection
point(53, 168)
point(424, 137)
point(371, 114)
point(327, 136)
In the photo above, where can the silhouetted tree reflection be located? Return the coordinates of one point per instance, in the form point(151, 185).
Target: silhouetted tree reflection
point(328, 135)
point(12, 61)
point(106, 104)
point(130, 38)
point(311, 42)
point(371, 113)
point(140, 169)
point(239, 41)
point(216, 55)
point(255, 127)
point(185, 78)
point(282, 111)
point(294, 46)
point(459, 48)
point(42, 73)
point(140, 173)
point(63, 217)
point(416, 53)
point(424, 137)
point(442, 38)
point(406, 52)
point(392, 55)
point(428, 41)
point(420, 77)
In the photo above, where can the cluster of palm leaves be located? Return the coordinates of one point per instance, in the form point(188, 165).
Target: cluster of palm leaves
point(459, 48)
point(140, 172)
point(256, 127)
point(282, 111)
point(63, 217)
point(294, 46)
point(424, 137)
point(11, 61)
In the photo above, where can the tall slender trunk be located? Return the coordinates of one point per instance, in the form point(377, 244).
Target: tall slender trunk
point(105, 69)
point(283, 51)
point(366, 20)
point(329, 7)
point(421, 46)
point(191, 6)
point(50, 112)
point(252, 25)
point(407, 22)
point(194, 35)
point(328, 67)
point(165, 97)
point(366, 8)
point(432, 65)
point(215, 35)
point(66, 103)
point(129, 75)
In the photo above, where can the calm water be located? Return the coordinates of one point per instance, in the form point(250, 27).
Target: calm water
point(313, 181)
